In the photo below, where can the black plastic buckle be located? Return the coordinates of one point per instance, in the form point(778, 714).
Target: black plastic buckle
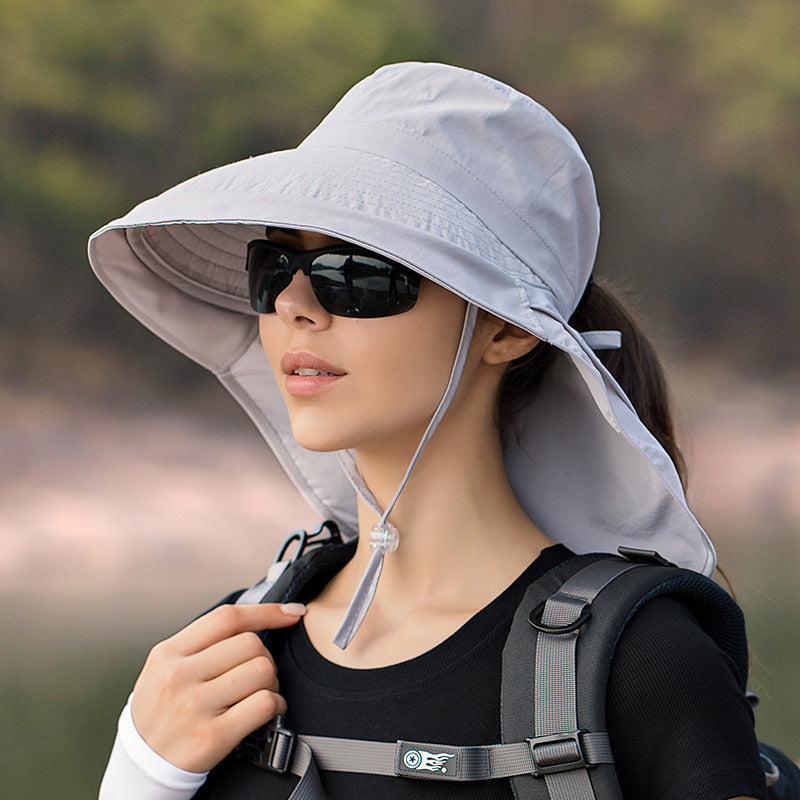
point(639, 556)
point(276, 754)
point(558, 765)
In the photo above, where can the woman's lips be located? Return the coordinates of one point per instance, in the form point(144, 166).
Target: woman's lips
point(308, 374)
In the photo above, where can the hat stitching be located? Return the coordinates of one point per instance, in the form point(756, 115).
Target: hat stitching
point(467, 231)
point(423, 140)
point(226, 231)
point(453, 231)
point(214, 275)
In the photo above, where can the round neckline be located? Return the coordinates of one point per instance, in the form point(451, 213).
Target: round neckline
point(482, 630)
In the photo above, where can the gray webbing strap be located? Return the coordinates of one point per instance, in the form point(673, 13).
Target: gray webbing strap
point(434, 761)
point(308, 787)
point(555, 696)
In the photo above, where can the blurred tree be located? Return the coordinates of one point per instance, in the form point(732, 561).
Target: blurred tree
point(690, 116)
point(688, 113)
point(106, 102)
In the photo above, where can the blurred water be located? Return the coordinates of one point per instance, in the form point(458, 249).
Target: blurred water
point(92, 499)
point(116, 528)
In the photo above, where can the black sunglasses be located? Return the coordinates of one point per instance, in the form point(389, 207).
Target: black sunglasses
point(348, 281)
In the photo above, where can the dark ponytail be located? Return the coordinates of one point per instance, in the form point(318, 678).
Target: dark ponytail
point(635, 366)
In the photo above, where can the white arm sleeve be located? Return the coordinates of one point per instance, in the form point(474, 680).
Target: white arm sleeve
point(136, 772)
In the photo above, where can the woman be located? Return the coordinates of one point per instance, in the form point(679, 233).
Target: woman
point(424, 250)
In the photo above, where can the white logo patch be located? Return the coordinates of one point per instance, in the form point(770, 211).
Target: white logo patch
point(423, 760)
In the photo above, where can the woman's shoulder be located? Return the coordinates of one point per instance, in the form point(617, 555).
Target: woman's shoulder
point(678, 719)
point(658, 626)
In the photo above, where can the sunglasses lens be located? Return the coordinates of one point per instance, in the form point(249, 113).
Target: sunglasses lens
point(269, 272)
point(364, 286)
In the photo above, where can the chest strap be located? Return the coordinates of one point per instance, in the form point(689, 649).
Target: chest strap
point(284, 751)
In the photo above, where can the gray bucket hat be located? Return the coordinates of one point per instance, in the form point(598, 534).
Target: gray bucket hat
point(478, 188)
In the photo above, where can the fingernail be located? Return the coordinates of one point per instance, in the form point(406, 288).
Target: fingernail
point(293, 609)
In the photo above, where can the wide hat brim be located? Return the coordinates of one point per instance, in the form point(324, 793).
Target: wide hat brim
point(581, 463)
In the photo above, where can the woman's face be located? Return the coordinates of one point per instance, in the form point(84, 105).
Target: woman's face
point(359, 383)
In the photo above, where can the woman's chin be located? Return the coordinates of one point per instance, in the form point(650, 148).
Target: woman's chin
point(320, 442)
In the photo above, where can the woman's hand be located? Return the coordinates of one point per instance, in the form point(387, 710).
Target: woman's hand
point(204, 689)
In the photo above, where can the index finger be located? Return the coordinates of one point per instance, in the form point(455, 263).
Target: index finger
point(225, 621)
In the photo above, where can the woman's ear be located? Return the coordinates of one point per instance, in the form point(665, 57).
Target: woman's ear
point(507, 342)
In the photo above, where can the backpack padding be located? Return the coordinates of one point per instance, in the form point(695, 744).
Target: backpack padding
point(304, 578)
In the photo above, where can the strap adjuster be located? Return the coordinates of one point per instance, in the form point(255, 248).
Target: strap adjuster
point(560, 752)
point(276, 754)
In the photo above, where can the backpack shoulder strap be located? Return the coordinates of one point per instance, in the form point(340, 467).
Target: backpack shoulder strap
point(558, 656)
point(317, 558)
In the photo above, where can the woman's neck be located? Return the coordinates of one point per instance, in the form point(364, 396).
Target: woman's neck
point(463, 539)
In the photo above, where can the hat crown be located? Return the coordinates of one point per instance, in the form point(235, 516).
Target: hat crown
point(497, 151)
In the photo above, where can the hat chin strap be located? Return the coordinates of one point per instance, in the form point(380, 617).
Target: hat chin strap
point(384, 537)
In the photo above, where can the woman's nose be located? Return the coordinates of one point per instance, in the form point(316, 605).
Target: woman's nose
point(297, 304)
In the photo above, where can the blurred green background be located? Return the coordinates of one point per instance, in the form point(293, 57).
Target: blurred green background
point(690, 115)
